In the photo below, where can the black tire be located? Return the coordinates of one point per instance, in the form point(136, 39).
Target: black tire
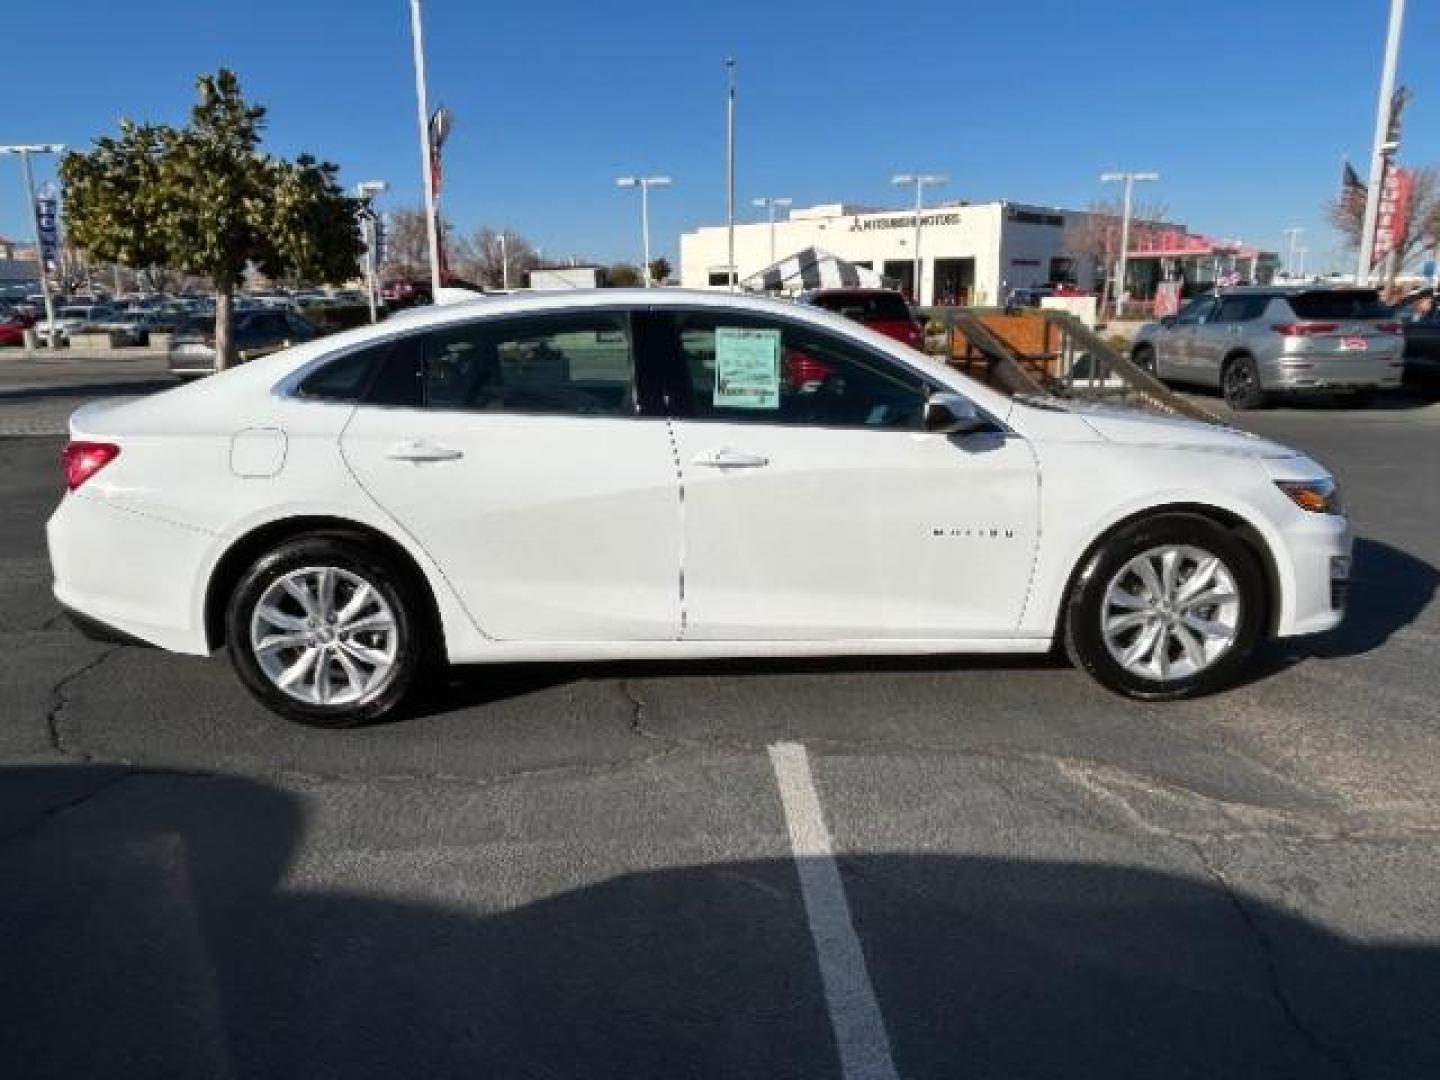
point(1240, 383)
point(1144, 358)
point(351, 555)
point(1085, 606)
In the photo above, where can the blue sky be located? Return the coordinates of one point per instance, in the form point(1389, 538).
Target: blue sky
point(1244, 108)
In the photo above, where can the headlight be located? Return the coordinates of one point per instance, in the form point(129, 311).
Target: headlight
point(1317, 496)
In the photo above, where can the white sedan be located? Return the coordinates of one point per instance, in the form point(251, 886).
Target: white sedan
point(658, 474)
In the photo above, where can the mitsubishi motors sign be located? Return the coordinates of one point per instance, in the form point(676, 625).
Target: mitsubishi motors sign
point(1390, 220)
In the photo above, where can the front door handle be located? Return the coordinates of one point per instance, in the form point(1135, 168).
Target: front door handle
point(730, 459)
point(419, 450)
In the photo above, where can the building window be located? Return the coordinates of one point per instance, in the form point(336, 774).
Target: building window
point(719, 278)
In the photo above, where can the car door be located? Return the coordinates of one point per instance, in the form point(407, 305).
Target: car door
point(816, 506)
point(511, 449)
point(1222, 332)
point(1179, 360)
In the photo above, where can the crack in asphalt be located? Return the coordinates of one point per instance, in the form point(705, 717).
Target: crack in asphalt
point(1271, 963)
point(59, 700)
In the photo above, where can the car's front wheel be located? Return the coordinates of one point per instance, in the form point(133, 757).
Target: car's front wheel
point(1168, 607)
point(324, 630)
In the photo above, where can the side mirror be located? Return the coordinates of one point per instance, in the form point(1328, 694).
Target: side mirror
point(1168, 321)
point(952, 414)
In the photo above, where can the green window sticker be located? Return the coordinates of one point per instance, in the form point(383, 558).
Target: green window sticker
point(747, 368)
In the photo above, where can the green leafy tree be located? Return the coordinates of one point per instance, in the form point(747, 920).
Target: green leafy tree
point(205, 200)
point(660, 270)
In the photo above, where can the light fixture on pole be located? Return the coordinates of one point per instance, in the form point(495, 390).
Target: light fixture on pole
point(24, 151)
point(920, 181)
point(1383, 146)
point(1129, 179)
point(366, 191)
point(1293, 233)
point(770, 203)
point(644, 183)
point(432, 219)
point(729, 171)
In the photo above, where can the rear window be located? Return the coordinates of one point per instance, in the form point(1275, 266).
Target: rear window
point(866, 307)
point(1339, 304)
point(345, 378)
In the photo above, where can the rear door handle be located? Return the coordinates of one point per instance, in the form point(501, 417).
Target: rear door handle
point(422, 451)
point(730, 459)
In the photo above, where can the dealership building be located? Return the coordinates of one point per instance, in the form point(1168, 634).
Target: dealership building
point(970, 253)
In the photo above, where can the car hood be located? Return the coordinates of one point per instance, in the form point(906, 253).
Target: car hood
point(1132, 427)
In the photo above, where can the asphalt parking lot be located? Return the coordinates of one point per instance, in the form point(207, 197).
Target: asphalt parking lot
point(928, 868)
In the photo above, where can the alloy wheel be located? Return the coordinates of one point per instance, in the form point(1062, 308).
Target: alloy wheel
point(1170, 613)
point(325, 636)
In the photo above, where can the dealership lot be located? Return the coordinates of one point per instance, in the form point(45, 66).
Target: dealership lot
point(593, 870)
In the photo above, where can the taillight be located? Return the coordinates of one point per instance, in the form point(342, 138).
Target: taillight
point(82, 460)
point(1389, 328)
point(1305, 329)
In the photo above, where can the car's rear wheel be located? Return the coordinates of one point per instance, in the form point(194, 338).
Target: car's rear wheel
point(324, 631)
point(1240, 382)
point(1167, 607)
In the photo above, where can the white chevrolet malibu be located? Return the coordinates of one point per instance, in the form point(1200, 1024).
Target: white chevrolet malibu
point(633, 474)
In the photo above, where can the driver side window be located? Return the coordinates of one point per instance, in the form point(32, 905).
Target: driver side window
point(752, 369)
point(1197, 311)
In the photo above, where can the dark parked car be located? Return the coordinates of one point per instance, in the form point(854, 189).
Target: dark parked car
point(1422, 350)
point(257, 333)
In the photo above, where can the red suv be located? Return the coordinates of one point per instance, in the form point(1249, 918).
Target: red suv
point(882, 310)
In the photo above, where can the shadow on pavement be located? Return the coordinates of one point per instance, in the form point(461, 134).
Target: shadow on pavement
point(164, 925)
point(468, 685)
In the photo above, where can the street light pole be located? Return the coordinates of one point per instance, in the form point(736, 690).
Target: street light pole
point(25, 152)
point(1129, 178)
point(1294, 234)
point(432, 220)
point(366, 190)
point(920, 181)
point(770, 203)
point(729, 172)
point(504, 263)
point(1382, 148)
point(644, 183)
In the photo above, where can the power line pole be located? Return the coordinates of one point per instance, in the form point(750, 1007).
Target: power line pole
point(1382, 147)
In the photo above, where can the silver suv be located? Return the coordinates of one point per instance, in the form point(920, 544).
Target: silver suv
point(1255, 341)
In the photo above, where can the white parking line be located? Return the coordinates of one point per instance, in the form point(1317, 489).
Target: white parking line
point(860, 1036)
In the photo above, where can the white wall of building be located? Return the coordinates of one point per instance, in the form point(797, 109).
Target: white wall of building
point(986, 232)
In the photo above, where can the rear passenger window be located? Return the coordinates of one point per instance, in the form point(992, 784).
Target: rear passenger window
point(576, 364)
point(1235, 309)
point(343, 379)
point(400, 381)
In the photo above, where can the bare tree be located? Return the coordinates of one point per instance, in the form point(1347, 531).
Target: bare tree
point(408, 245)
point(491, 259)
point(1419, 229)
point(1096, 236)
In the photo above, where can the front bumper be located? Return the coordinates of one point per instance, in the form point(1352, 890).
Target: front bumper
point(1320, 548)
